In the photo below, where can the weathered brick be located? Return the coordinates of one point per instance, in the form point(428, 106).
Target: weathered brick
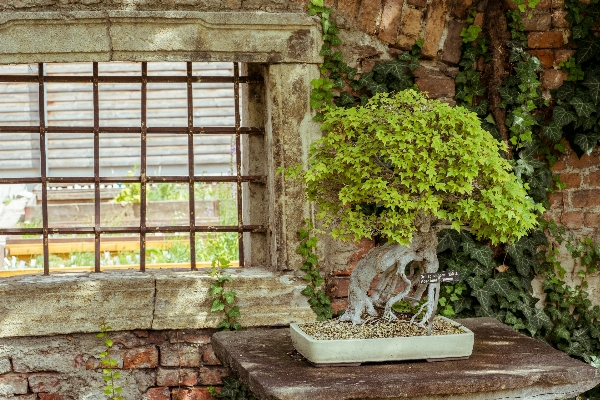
point(140, 333)
point(418, 3)
point(43, 382)
point(338, 287)
point(436, 22)
point(31, 396)
point(13, 384)
point(368, 16)
point(5, 365)
point(593, 160)
point(348, 8)
point(170, 377)
point(156, 338)
point(573, 181)
point(545, 40)
point(339, 304)
point(126, 339)
point(190, 336)
point(558, 19)
point(145, 357)
point(591, 220)
point(186, 356)
point(362, 248)
point(410, 28)
point(390, 20)
point(212, 375)
point(209, 357)
point(452, 52)
point(553, 78)
point(157, 393)
point(562, 55)
point(437, 87)
point(460, 9)
point(558, 3)
point(542, 5)
point(536, 21)
point(545, 56)
point(556, 200)
point(559, 165)
point(585, 198)
point(572, 219)
point(199, 393)
point(478, 21)
point(593, 179)
point(53, 396)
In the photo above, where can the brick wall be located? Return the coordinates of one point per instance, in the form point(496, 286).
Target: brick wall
point(155, 365)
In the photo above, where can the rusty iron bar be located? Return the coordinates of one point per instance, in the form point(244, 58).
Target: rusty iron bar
point(43, 167)
point(96, 170)
point(143, 177)
point(208, 130)
point(97, 230)
point(238, 159)
point(191, 173)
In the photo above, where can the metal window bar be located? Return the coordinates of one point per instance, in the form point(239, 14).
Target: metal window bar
point(190, 130)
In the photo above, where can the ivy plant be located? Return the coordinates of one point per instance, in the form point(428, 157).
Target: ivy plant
point(111, 390)
point(223, 299)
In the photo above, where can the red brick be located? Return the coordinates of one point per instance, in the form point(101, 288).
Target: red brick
point(556, 200)
point(592, 220)
point(410, 28)
point(563, 55)
point(339, 304)
point(460, 9)
point(209, 357)
point(142, 334)
point(437, 87)
point(573, 181)
point(390, 20)
point(545, 56)
point(348, 8)
point(362, 248)
point(156, 338)
point(338, 287)
point(452, 45)
point(558, 19)
point(593, 179)
point(53, 396)
point(593, 160)
point(44, 382)
point(478, 21)
point(170, 377)
point(436, 22)
point(186, 356)
point(146, 357)
point(418, 3)
point(559, 165)
point(553, 78)
point(126, 339)
point(212, 375)
point(585, 198)
point(31, 396)
point(78, 361)
point(191, 394)
point(572, 219)
point(368, 16)
point(536, 21)
point(192, 336)
point(545, 40)
point(157, 393)
point(13, 384)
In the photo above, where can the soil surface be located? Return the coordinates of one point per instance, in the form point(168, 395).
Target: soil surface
point(334, 329)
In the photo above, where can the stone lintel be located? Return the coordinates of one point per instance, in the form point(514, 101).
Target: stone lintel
point(505, 364)
point(64, 303)
point(84, 36)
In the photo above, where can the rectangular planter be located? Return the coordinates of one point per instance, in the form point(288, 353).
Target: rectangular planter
point(355, 351)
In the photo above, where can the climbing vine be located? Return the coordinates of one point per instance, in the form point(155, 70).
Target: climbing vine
point(111, 390)
point(223, 299)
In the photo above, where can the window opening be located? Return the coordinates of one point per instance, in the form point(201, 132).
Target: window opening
point(97, 131)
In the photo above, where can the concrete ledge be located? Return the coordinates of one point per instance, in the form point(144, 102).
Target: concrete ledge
point(504, 365)
point(162, 299)
point(84, 36)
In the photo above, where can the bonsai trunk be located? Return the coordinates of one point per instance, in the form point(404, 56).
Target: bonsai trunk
point(389, 263)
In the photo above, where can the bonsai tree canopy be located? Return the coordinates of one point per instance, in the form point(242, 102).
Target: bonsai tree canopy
point(399, 168)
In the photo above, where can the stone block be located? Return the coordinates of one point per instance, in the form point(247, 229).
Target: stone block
point(191, 394)
point(545, 56)
point(209, 357)
point(212, 375)
point(368, 16)
point(559, 21)
point(390, 20)
point(44, 382)
point(157, 393)
point(13, 384)
point(175, 355)
point(460, 9)
point(183, 300)
point(67, 300)
point(563, 55)
point(452, 45)
point(190, 336)
point(545, 40)
point(572, 219)
point(437, 87)
point(585, 198)
point(346, 9)
point(171, 377)
point(536, 21)
point(410, 28)
point(5, 366)
point(553, 78)
point(434, 27)
point(418, 3)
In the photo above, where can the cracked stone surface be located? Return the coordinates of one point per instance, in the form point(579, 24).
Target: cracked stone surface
point(504, 365)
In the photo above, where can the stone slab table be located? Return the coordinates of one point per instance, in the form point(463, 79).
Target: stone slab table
point(504, 365)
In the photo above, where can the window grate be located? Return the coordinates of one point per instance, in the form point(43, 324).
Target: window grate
point(143, 179)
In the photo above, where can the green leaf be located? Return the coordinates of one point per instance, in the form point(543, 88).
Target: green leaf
point(215, 289)
point(587, 142)
point(229, 297)
point(480, 252)
point(217, 305)
point(448, 239)
point(583, 108)
point(234, 312)
point(592, 82)
point(587, 48)
point(562, 117)
point(484, 296)
point(461, 304)
point(553, 131)
point(503, 288)
point(560, 332)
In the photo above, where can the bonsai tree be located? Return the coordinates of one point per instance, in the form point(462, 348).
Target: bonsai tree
point(399, 169)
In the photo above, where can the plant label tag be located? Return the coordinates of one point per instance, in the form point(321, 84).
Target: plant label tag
point(439, 277)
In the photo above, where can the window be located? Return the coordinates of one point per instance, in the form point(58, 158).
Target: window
point(137, 112)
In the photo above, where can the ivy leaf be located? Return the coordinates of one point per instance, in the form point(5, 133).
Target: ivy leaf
point(592, 82)
point(217, 305)
point(229, 297)
point(583, 108)
point(484, 296)
point(479, 252)
point(560, 332)
point(566, 91)
point(562, 117)
point(234, 312)
point(448, 239)
point(587, 142)
point(394, 67)
point(587, 48)
point(463, 303)
point(553, 131)
point(582, 336)
point(502, 287)
point(344, 100)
